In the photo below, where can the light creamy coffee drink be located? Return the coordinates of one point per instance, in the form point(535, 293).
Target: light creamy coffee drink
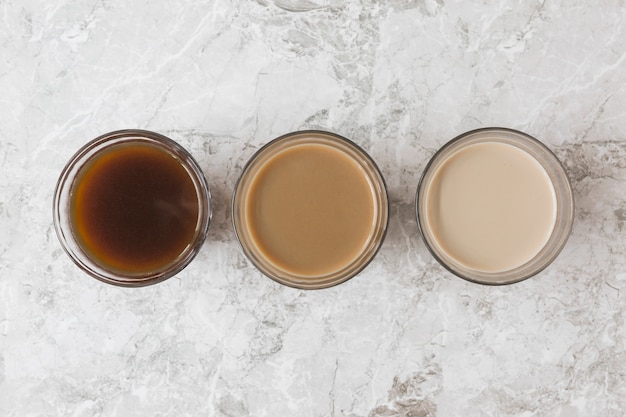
point(494, 206)
point(491, 206)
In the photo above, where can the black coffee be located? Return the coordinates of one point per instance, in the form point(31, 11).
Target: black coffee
point(134, 208)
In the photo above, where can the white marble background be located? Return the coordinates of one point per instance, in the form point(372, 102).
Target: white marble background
point(399, 77)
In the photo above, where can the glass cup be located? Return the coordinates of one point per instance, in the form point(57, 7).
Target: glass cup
point(494, 206)
point(310, 209)
point(132, 208)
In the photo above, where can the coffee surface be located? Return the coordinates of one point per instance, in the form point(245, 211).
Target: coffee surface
point(310, 209)
point(134, 208)
point(491, 206)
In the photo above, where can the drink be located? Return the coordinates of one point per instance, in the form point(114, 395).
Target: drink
point(491, 207)
point(494, 206)
point(310, 209)
point(135, 206)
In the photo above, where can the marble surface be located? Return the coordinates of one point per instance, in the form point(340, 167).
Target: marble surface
point(400, 78)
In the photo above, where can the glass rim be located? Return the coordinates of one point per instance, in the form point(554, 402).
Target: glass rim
point(62, 216)
point(316, 282)
point(564, 232)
